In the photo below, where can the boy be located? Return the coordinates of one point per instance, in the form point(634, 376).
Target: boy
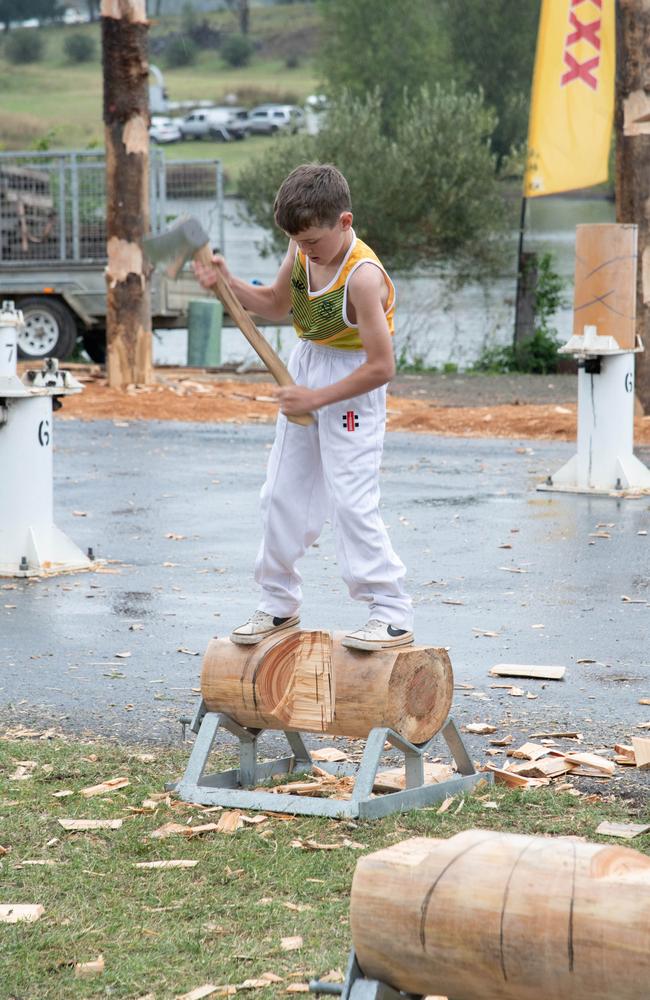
point(342, 302)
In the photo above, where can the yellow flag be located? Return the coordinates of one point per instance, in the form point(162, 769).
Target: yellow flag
point(572, 105)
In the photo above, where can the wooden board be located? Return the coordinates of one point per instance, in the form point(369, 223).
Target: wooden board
point(641, 747)
point(605, 281)
point(528, 670)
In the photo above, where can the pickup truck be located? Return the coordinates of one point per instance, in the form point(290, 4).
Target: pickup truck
point(53, 243)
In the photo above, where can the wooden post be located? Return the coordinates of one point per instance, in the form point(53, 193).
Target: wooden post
point(307, 681)
point(496, 916)
point(126, 119)
point(633, 158)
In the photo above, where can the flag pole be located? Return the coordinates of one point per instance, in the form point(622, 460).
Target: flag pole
point(520, 266)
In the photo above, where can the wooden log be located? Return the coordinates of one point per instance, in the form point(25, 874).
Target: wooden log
point(267, 686)
point(494, 916)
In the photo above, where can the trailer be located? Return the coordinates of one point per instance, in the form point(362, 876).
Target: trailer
point(53, 243)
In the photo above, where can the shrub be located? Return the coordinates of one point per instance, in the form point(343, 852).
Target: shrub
point(536, 355)
point(180, 52)
point(79, 48)
point(237, 50)
point(25, 45)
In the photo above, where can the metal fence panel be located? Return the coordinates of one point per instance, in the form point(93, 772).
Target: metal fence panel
point(53, 204)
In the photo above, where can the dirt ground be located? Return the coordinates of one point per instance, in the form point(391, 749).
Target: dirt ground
point(456, 405)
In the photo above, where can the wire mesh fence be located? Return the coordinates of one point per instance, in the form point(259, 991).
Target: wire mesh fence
point(53, 204)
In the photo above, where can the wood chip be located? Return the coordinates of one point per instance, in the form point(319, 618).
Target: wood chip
point(291, 943)
point(528, 670)
point(625, 830)
point(563, 735)
point(105, 787)
point(480, 728)
point(330, 754)
point(593, 761)
point(15, 913)
point(444, 806)
point(509, 778)
point(199, 993)
point(641, 745)
point(85, 970)
point(546, 767)
point(505, 742)
point(230, 821)
point(168, 830)
point(297, 988)
point(394, 780)
point(530, 751)
point(78, 825)
point(178, 863)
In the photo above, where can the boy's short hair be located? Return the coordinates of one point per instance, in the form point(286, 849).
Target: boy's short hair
point(314, 194)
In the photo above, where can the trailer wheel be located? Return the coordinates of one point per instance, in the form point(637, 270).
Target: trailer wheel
point(50, 329)
point(94, 342)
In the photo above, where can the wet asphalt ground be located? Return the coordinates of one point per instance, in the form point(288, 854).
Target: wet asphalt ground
point(172, 508)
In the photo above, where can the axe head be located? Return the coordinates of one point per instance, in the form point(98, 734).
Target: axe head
point(176, 246)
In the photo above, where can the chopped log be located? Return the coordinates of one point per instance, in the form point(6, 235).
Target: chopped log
point(282, 683)
point(494, 916)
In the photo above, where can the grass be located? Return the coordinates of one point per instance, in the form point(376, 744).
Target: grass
point(166, 932)
point(61, 103)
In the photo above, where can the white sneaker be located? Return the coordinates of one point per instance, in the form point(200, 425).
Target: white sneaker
point(259, 625)
point(377, 635)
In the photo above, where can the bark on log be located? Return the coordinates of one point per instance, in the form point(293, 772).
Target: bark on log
point(633, 158)
point(493, 916)
point(126, 119)
point(408, 689)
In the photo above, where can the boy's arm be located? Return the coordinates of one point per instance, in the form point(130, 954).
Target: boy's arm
point(271, 301)
point(365, 293)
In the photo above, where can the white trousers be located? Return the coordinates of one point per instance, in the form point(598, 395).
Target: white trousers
point(330, 470)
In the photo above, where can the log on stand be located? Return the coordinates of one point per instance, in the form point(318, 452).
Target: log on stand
point(287, 682)
point(309, 682)
point(493, 916)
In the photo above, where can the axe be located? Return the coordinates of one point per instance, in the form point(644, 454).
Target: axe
point(188, 240)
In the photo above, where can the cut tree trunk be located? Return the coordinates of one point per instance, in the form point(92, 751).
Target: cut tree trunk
point(494, 916)
point(126, 119)
point(308, 681)
point(633, 158)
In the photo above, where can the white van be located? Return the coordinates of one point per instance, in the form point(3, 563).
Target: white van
point(269, 118)
point(222, 124)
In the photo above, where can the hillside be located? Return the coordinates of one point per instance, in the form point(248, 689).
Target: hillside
point(58, 104)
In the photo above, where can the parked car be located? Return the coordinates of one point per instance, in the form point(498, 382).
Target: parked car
point(164, 129)
point(222, 124)
point(269, 118)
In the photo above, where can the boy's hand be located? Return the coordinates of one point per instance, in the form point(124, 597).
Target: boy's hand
point(295, 400)
point(207, 273)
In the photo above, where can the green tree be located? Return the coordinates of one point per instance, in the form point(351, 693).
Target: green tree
point(384, 46)
point(428, 195)
point(494, 45)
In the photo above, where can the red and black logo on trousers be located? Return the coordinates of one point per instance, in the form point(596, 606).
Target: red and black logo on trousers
point(350, 420)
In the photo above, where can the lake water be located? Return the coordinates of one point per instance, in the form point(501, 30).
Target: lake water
point(430, 324)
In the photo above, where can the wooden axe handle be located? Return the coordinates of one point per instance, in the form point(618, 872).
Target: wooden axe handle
point(258, 342)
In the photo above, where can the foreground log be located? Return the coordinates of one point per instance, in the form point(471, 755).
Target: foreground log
point(493, 916)
point(308, 681)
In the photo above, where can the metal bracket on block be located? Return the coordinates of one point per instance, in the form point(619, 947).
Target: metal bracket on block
point(357, 987)
point(238, 788)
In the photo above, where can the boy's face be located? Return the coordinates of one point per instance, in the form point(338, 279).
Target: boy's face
point(323, 244)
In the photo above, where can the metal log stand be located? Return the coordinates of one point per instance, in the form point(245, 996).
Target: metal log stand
point(356, 987)
point(238, 788)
